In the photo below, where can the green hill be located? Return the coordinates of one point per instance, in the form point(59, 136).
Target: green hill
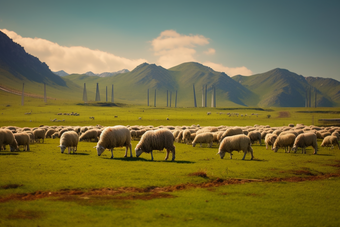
point(281, 88)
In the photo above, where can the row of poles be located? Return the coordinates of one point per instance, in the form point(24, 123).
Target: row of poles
point(308, 98)
point(98, 94)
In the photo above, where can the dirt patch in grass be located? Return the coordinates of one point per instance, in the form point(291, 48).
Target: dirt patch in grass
point(199, 174)
point(283, 114)
point(155, 192)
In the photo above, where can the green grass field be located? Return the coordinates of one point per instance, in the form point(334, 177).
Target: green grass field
point(43, 187)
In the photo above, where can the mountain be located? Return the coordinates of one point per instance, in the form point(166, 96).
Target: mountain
point(330, 88)
point(107, 74)
point(281, 88)
point(61, 73)
point(22, 66)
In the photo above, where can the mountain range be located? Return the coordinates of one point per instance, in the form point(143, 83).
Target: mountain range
point(105, 74)
point(275, 88)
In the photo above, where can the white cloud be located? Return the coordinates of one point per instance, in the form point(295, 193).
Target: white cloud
point(211, 51)
point(74, 59)
point(173, 48)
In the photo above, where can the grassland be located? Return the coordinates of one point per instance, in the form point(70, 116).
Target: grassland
point(43, 187)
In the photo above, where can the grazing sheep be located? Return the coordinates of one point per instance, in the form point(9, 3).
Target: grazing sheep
point(187, 136)
point(231, 132)
point(69, 139)
point(55, 135)
point(330, 141)
point(23, 139)
point(111, 137)
point(336, 134)
point(39, 134)
point(255, 136)
point(49, 133)
point(304, 140)
point(156, 140)
point(203, 138)
point(235, 143)
point(89, 135)
point(285, 141)
point(31, 135)
point(179, 138)
point(7, 137)
point(270, 140)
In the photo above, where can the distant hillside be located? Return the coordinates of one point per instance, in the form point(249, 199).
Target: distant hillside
point(61, 73)
point(18, 67)
point(282, 88)
point(15, 61)
point(107, 74)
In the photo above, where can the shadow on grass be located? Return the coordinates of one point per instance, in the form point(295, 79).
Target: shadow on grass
point(324, 154)
point(9, 153)
point(134, 159)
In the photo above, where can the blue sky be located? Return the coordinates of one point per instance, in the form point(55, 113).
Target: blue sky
point(246, 37)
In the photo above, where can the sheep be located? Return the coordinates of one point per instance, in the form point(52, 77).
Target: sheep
point(156, 140)
point(179, 137)
point(7, 137)
point(270, 140)
point(187, 136)
point(231, 132)
point(69, 139)
point(304, 140)
point(39, 134)
point(254, 136)
point(330, 141)
point(49, 133)
point(335, 133)
point(285, 140)
point(55, 135)
point(235, 143)
point(111, 137)
point(23, 139)
point(203, 138)
point(90, 134)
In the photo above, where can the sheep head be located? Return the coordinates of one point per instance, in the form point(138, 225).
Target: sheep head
point(138, 151)
point(62, 148)
point(100, 149)
point(221, 153)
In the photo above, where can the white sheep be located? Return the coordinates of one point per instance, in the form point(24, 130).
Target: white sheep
point(330, 141)
point(206, 137)
point(304, 140)
point(49, 133)
point(111, 137)
point(187, 136)
point(255, 136)
point(89, 135)
point(235, 143)
point(231, 132)
point(285, 141)
point(7, 137)
point(23, 139)
point(270, 140)
point(69, 139)
point(156, 140)
point(39, 134)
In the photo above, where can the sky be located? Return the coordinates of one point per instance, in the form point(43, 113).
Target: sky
point(236, 37)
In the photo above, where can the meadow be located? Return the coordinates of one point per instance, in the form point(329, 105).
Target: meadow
point(43, 187)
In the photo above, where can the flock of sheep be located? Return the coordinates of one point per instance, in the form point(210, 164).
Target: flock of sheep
point(151, 138)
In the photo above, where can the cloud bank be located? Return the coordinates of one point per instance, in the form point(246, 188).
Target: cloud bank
point(172, 49)
point(74, 59)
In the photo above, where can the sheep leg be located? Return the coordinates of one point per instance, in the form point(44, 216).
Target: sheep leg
point(69, 150)
point(200, 144)
point(210, 144)
point(167, 154)
point(28, 147)
point(111, 153)
point(244, 156)
point(130, 151)
point(231, 155)
point(151, 156)
point(173, 155)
